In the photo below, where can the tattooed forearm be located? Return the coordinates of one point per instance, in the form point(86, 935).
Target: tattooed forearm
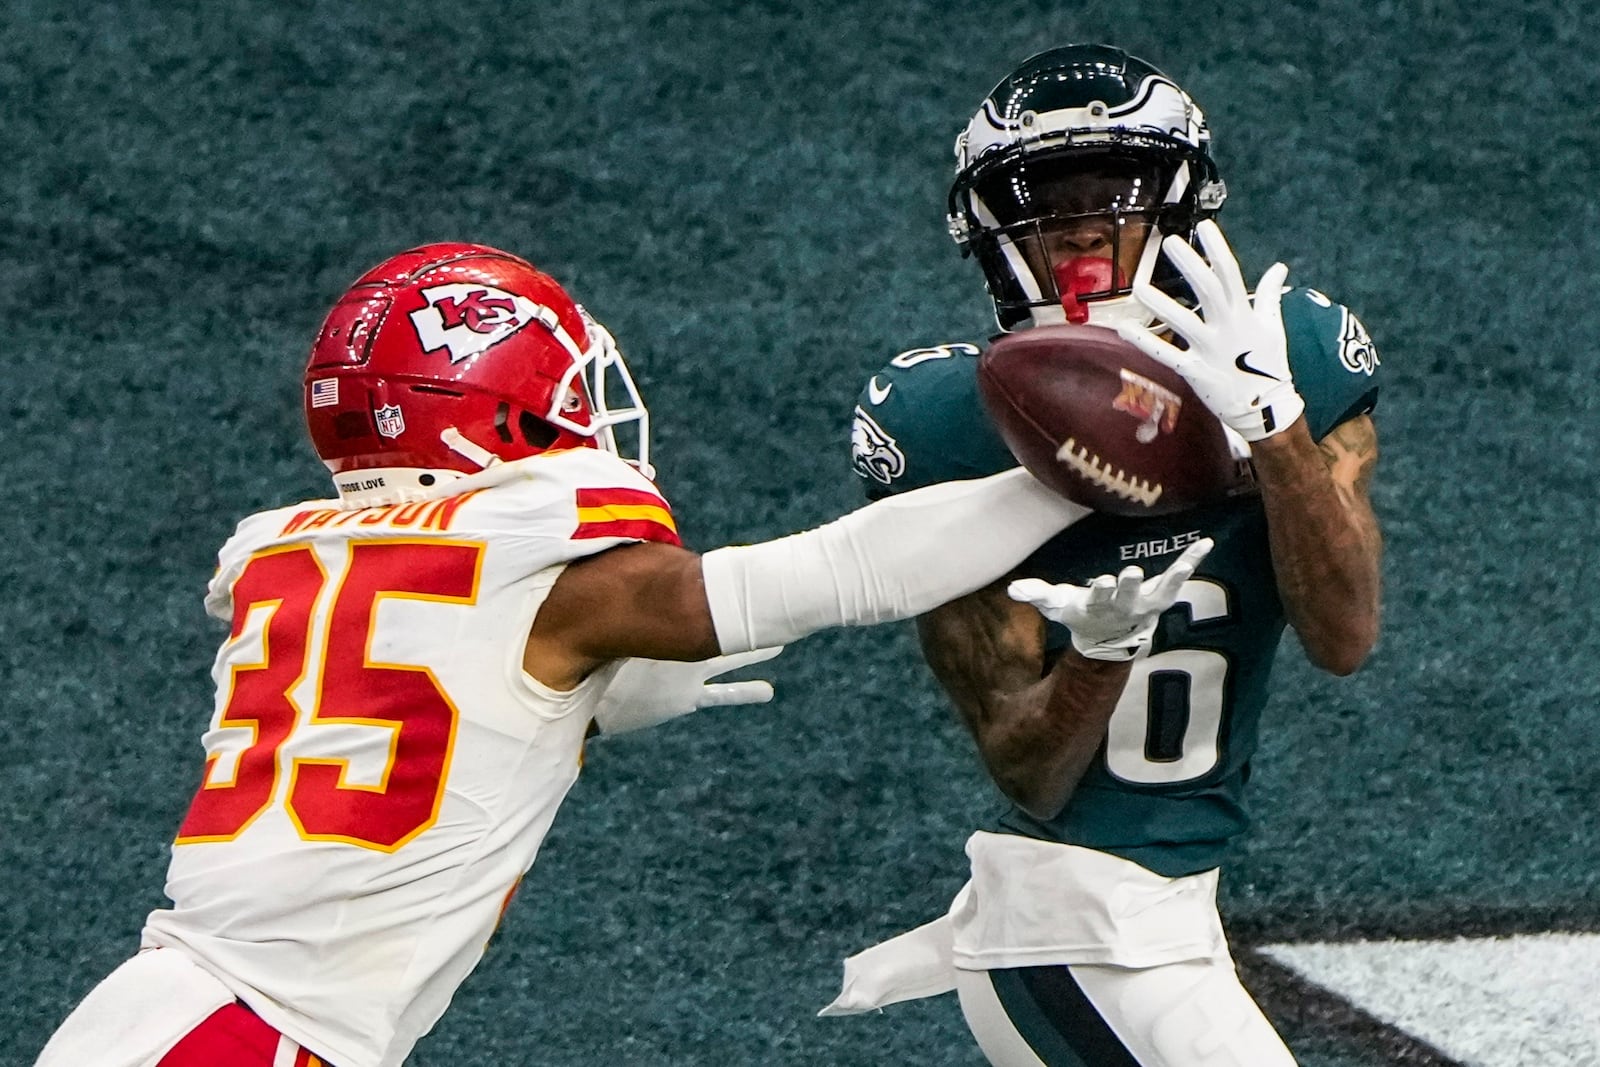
point(1036, 733)
point(1326, 543)
point(1351, 455)
point(1350, 452)
point(983, 646)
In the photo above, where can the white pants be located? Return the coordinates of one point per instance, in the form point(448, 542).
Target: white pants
point(137, 1013)
point(1098, 959)
point(1190, 1014)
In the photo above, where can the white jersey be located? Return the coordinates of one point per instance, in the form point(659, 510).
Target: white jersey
point(380, 770)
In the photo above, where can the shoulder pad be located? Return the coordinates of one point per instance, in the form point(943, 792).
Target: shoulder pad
point(920, 421)
point(589, 466)
point(600, 494)
point(252, 532)
point(541, 511)
point(1335, 364)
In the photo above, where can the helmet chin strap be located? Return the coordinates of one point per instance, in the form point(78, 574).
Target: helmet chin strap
point(1116, 310)
point(1082, 275)
point(1108, 312)
point(1096, 274)
point(379, 486)
point(457, 442)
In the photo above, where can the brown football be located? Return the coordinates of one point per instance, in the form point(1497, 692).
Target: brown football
point(1105, 425)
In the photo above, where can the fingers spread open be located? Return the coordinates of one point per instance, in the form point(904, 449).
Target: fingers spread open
point(1207, 286)
point(1224, 264)
point(1269, 293)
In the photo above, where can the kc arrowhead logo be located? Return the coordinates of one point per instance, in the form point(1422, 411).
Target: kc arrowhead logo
point(467, 318)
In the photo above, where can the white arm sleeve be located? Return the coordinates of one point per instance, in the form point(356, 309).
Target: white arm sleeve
point(893, 559)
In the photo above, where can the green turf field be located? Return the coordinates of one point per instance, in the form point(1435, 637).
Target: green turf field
point(751, 197)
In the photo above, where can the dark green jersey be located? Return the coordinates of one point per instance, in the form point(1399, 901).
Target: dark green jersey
point(1167, 789)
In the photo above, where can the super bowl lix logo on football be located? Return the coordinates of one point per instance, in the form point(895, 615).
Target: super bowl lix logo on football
point(467, 318)
point(1155, 406)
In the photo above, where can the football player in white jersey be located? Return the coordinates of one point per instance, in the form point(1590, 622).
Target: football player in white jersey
point(413, 666)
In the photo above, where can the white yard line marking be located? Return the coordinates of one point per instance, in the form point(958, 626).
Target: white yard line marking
point(1525, 1001)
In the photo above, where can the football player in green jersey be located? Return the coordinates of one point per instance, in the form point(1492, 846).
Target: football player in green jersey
point(1088, 933)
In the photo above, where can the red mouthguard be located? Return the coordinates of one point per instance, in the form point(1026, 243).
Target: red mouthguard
point(1082, 276)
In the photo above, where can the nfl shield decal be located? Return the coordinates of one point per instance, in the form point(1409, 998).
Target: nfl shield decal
point(390, 422)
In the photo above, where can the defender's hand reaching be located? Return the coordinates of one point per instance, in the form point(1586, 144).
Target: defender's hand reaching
point(1238, 357)
point(1112, 617)
point(648, 692)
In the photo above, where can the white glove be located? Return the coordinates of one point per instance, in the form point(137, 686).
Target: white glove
point(1111, 618)
point(648, 692)
point(1238, 357)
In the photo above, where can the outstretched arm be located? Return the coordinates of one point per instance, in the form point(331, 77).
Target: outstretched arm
point(892, 559)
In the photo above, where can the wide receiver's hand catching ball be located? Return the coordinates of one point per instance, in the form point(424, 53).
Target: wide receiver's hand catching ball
point(1105, 425)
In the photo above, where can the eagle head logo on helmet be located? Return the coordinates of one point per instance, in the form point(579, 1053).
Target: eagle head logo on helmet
point(1068, 176)
point(450, 358)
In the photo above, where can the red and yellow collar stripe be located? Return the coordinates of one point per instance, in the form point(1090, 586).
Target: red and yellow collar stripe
point(634, 513)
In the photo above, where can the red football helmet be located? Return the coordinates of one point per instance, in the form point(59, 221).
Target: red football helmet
point(449, 358)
